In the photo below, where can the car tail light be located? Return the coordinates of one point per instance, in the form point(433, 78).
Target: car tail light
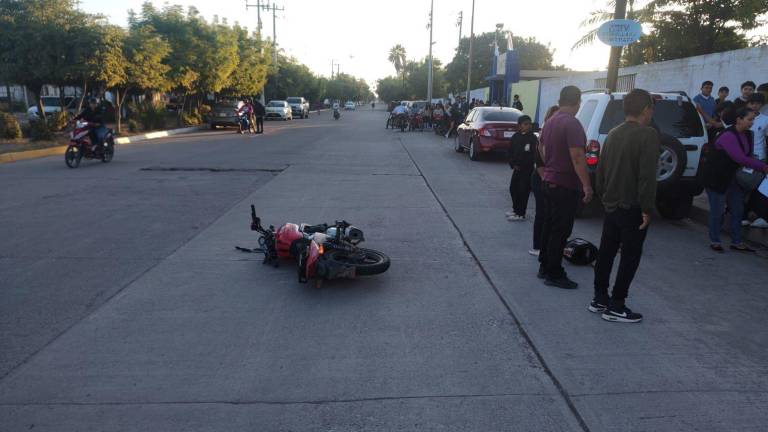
point(485, 132)
point(593, 152)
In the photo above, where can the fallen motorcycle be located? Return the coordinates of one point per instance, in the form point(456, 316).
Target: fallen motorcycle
point(322, 252)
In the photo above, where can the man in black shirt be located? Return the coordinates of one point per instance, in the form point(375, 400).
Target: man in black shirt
point(516, 104)
point(93, 115)
point(522, 155)
point(259, 111)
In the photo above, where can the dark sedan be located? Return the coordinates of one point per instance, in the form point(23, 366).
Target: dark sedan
point(486, 130)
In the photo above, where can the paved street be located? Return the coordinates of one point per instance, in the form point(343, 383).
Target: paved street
point(125, 307)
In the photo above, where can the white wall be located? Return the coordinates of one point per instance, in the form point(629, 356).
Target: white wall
point(728, 69)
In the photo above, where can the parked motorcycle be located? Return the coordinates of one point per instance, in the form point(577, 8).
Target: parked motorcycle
point(243, 122)
point(401, 122)
point(80, 146)
point(416, 123)
point(322, 252)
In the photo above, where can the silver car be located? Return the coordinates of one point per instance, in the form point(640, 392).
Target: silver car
point(223, 114)
point(279, 109)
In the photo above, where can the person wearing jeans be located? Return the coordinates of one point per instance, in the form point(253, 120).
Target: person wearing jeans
point(626, 183)
point(736, 142)
point(564, 179)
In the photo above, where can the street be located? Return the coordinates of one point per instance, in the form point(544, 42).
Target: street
point(124, 305)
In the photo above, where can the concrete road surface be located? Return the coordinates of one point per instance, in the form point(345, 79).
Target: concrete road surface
point(125, 307)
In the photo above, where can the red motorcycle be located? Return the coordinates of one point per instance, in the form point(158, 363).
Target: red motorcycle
point(80, 146)
point(322, 252)
point(416, 123)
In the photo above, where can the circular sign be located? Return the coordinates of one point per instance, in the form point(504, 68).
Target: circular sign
point(620, 32)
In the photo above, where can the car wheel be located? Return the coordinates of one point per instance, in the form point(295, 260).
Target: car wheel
point(457, 145)
point(474, 155)
point(672, 162)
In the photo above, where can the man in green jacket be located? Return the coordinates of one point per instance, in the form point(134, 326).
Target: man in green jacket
point(626, 182)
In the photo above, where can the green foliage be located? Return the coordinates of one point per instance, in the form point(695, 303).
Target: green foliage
point(9, 126)
point(40, 131)
point(533, 55)
point(133, 125)
point(151, 115)
point(683, 28)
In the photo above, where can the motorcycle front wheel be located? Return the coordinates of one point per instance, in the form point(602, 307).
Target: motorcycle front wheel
point(73, 156)
point(367, 262)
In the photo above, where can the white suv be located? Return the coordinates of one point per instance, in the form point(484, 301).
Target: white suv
point(682, 133)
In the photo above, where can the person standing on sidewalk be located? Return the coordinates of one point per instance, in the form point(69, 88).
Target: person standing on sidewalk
point(522, 156)
point(626, 182)
point(538, 194)
point(565, 176)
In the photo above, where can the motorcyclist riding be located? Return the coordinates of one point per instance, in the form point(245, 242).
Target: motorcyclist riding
point(94, 116)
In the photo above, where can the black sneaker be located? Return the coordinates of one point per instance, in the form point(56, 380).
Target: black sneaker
point(541, 274)
point(596, 307)
point(561, 282)
point(622, 314)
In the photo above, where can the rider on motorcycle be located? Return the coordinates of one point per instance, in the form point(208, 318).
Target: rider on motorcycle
point(93, 115)
point(246, 108)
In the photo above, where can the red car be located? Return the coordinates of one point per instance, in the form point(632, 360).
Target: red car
point(486, 130)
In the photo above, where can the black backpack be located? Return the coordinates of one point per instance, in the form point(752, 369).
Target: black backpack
point(580, 252)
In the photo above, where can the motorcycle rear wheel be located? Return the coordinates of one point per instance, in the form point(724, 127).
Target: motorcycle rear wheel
point(367, 262)
point(73, 156)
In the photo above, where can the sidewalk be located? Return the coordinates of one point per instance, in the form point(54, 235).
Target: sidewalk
point(700, 214)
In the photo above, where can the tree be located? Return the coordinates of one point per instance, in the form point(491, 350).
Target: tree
point(416, 81)
point(397, 58)
point(684, 28)
point(532, 53)
point(250, 74)
point(390, 89)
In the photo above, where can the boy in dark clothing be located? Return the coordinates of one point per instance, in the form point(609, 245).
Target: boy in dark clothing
point(522, 156)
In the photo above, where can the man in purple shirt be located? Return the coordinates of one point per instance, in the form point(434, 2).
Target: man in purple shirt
point(564, 181)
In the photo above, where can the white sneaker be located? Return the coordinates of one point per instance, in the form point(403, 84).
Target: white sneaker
point(534, 252)
point(746, 223)
point(516, 218)
point(509, 214)
point(760, 223)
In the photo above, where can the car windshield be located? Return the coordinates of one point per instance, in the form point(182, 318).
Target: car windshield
point(276, 104)
point(669, 118)
point(225, 106)
point(500, 116)
point(51, 101)
point(294, 100)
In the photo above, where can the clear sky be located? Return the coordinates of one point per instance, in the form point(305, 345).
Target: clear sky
point(359, 33)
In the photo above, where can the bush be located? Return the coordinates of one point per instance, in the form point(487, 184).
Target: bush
point(58, 120)
point(205, 110)
point(151, 115)
point(9, 126)
point(192, 119)
point(133, 125)
point(39, 131)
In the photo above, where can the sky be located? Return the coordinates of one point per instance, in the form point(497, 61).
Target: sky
point(357, 34)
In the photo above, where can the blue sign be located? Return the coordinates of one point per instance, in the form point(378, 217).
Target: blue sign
point(620, 32)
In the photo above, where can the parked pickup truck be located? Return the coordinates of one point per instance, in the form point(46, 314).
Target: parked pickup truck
point(299, 106)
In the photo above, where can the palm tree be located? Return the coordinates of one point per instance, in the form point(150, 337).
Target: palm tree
point(397, 58)
point(643, 14)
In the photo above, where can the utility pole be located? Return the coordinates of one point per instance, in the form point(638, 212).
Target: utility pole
point(258, 7)
point(613, 62)
point(458, 23)
point(429, 74)
point(332, 64)
point(471, 46)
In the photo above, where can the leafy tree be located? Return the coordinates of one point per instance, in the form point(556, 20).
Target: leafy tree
point(391, 89)
point(532, 53)
point(250, 74)
point(684, 28)
point(417, 79)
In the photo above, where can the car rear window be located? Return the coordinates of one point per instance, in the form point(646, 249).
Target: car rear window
point(669, 117)
point(501, 116)
point(276, 104)
point(294, 100)
point(586, 113)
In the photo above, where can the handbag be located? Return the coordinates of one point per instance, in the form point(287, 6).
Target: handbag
point(749, 179)
point(716, 169)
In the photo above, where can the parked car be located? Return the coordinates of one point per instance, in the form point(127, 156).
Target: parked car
point(279, 109)
point(299, 106)
point(349, 106)
point(223, 114)
point(52, 104)
point(486, 130)
point(682, 133)
point(417, 106)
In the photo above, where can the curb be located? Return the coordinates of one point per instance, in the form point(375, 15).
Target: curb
point(59, 150)
point(755, 236)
